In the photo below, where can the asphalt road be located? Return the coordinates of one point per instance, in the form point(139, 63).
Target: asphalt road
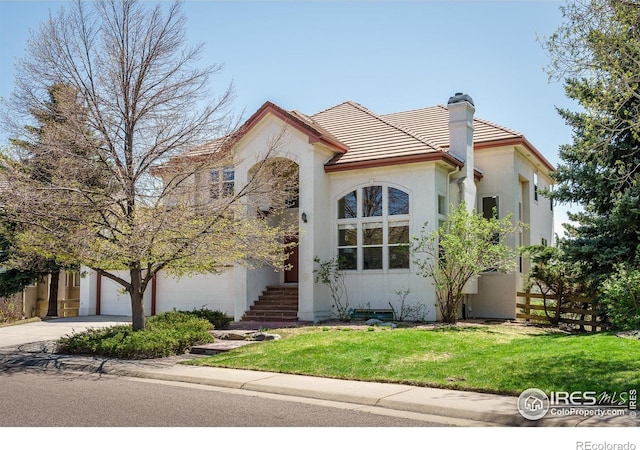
point(70, 399)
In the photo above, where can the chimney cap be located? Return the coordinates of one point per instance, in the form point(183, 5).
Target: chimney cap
point(459, 97)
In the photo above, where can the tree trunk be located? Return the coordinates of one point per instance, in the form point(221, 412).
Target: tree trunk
point(53, 294)
point(137, 299)
point(450, 313)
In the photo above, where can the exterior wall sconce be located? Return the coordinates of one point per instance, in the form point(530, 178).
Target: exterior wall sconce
point(304, 217)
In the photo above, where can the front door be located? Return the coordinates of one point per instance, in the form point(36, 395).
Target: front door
point(291, 275)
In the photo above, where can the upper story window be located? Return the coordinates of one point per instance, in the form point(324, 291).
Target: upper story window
point(535, 186)
point(491, 210)
point(490, 207)
point(222, 182)
point(373, 228)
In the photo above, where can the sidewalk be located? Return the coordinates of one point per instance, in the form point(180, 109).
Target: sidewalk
point(487, 409)
point(54, 329)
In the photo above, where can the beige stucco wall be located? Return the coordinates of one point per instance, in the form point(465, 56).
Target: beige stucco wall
point(508, 173)
point(30, 307)
point(423, 182)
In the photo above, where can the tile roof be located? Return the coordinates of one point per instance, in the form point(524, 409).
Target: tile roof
point(432, 124)
point(400, 136)
point(369, 136)
point(359, 136)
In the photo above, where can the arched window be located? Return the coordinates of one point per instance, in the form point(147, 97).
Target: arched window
point(373, 228)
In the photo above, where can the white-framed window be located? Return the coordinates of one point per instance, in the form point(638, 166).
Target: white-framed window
point(490, 210)
point(491, 207)
point(373, 228)
point(222, 182)
point(535, 186)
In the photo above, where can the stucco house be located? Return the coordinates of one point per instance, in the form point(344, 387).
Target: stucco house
point(367, 182)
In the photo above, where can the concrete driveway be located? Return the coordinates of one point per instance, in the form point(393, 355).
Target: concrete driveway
point(54, 329)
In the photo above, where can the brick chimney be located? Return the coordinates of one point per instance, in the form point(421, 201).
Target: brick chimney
point(461, 110)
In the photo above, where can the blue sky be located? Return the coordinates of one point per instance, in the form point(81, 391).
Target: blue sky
point(387, 56)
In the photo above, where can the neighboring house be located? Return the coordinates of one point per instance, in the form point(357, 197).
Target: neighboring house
point(33, 301)
point(368, 182)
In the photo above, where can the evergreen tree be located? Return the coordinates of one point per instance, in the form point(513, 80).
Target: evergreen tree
point(44, 162)
point(595, 52)
point(12, 280)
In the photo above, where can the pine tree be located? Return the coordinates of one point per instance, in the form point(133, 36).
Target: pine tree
point(595, 52)
point(44, 163)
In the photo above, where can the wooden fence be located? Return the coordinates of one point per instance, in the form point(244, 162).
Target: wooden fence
point(575, 310)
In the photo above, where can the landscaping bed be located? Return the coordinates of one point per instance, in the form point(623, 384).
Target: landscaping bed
point(167, 334)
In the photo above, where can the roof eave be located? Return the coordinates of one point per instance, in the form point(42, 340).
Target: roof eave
point(520, 140)
point(392, 161)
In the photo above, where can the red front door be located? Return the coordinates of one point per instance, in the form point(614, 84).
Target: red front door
point(291, 275)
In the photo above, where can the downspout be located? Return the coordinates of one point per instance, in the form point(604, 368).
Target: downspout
point(461, 193)
point(449, 181)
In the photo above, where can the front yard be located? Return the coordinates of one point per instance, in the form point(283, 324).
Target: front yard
point(505, 359)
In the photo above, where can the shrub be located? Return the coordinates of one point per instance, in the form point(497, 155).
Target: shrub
point(620, 298)
point(217, 318)
point(10, 310)
point(167, 334)
point(331, 273)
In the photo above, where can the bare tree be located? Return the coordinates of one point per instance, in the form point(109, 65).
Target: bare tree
point(151, 189)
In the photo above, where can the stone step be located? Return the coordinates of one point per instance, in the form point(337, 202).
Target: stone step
point(219, 347)
point(267, 294)
point(278, 298)
point(272, 312)
point(270, 316)
point(276, 290)
point(277, 303)
point(274, 307)
point(282, 288)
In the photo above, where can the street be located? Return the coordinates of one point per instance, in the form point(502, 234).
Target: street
point(71, 399)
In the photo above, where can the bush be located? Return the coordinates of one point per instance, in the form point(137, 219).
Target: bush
point(621, 298)
point(167, 334)
point(217, 318)
point(10, 310)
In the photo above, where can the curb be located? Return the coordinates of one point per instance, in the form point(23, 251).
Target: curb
point(477, 407)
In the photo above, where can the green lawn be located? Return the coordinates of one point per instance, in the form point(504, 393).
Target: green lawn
point(500, 359)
